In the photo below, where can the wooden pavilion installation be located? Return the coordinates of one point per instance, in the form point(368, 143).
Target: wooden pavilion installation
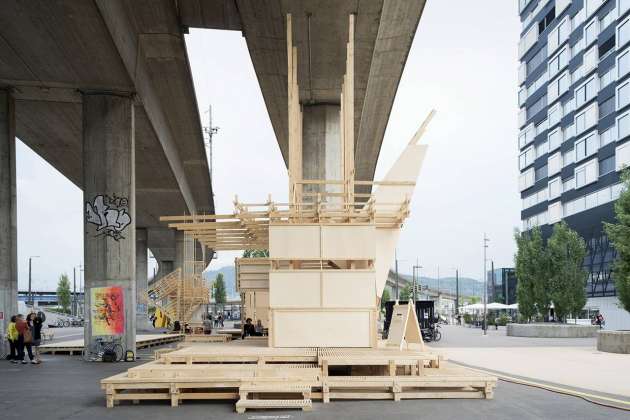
point(330, 248)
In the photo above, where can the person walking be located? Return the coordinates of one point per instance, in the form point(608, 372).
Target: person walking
point(12, 337)
point(25, 338)
point(35, 323)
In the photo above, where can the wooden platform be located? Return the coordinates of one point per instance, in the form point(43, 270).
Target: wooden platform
point(262, 377)
point(142, 341)
point(207, 338)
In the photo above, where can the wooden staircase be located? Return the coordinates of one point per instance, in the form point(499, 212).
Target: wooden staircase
point(179, 295)
point(264, 395)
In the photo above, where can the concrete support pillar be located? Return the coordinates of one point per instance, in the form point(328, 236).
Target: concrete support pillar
point(180, 250)
point(164, 267)
point(321, 146)
point(8, 214)
point(110, 225)
point(142, 279)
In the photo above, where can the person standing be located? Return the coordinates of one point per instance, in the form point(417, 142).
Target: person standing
point(35, 322)
point(25, 337)
point(12, 337)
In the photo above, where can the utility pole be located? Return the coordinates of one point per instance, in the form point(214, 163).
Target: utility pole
point(29, 299)
point(457, 291)
point(396, 264)
point(74, 291)
point(438, 282)
point(416, 279)
point(485, 285)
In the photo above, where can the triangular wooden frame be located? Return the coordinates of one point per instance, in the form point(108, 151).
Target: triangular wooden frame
point(404, 328)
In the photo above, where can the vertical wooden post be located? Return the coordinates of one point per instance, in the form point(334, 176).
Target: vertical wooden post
point(348, 123)
point(294, 119)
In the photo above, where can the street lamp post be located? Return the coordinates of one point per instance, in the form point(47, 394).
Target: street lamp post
point(485, 285)
point(416, 278)
point(30, 270)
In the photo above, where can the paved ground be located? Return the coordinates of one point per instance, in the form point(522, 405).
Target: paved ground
point(65, 387)
point(566, 361)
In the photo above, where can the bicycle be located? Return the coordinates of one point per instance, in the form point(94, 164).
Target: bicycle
point(103, 345)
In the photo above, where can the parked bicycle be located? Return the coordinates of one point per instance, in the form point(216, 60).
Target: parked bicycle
point(105, 349)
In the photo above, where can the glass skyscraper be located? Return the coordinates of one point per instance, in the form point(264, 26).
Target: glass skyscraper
point(574, 126)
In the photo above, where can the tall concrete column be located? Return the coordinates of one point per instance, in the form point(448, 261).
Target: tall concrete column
point(164, 267)
point(321, 146)
point(180, 250)
point(142, 279)
point(8, 214)
point(109, 226)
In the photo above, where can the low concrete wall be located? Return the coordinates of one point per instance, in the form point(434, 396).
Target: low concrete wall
point(614, 341)
point(552, 330)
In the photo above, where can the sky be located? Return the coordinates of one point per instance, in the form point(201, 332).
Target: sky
point(463, 63)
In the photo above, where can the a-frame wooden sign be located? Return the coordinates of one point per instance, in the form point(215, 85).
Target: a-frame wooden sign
point(404, 328)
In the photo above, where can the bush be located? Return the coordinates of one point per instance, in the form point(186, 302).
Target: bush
point(468, 319)
point(503, 320)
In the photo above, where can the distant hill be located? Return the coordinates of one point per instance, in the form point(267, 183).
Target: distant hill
point(467, 286)
point(229, 276)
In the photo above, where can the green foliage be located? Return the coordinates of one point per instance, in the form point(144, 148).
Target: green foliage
point(468, 319)
point(503, 320)
point(405, 293)
point(619, 234)
point(532, 271)
point(63, 292)
point(256, 253)
point(385, 297)
point(218, 289)
point(566, 251)
point(474, 299)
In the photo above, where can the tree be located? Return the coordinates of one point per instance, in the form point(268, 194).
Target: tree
point(385, 297)
point(406, 293)
point(532, 271)
point(219, 289)
point(63, 293)
point(619, 234)
point(566, 250)
point(256, 253)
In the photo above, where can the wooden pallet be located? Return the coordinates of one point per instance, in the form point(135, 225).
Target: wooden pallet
point(262, 395)
point(240, 370)
point(73, 347)
point(207, 338)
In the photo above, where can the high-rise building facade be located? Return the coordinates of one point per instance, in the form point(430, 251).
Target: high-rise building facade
point(574, 126)
point(502, 285)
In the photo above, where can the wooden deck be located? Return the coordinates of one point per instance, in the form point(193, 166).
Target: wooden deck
point(263, 377)
point(142, 341)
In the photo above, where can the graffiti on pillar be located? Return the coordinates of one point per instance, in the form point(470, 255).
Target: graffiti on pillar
point(107, 311)
point(110, 215)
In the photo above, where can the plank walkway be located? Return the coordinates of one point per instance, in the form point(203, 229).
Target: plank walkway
point(261, 377)
point(76, 346)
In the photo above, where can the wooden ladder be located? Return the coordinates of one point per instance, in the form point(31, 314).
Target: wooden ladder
point(258, 389)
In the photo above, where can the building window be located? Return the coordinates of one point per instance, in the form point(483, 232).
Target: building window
point(568, 157)
point(586, 92)
point(554, 115)
point(546, 21)
point(554, 212)
point(538, 106)
point(590, 61)
point(542, 149)
point(623, 63)
point(591, 30)
point(568, 184)
point(541, 173)
point(607, 107)
point(526, 179)
point(623, 32)
point(555, 139)
point(559, 34)
point(607, 165)
point(558, 86)
point(558, 62)
point(608, 77)
point(586, 174)
point(586, 146)
point(623, 126)
point(536, 60)
point(607, 137)
point(554, 164)
point(606, 47)
point(622, 156)
point(623, 95)
point(586, 119)
point(555, 188)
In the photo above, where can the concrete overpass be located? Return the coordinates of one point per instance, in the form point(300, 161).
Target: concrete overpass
point(383, 35)
point(102, 90)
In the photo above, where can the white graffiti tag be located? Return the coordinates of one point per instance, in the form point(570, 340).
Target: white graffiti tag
point(110, 215)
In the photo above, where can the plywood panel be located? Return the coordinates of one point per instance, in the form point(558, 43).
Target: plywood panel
point(348, 242)
point(294, 289)
point(256, 306)
point(321, 329)
point(294, 242)
point(349, 289)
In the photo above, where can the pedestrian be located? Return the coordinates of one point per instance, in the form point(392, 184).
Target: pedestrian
point(600, 321)
point(35, 323)
point(25, 338)
point(12, 338)
point(221, 320)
